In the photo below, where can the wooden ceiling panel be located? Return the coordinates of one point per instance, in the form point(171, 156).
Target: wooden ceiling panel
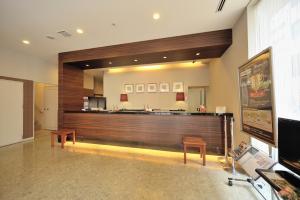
point(180, 48)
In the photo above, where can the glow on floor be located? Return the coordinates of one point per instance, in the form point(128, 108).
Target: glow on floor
point(144, 154)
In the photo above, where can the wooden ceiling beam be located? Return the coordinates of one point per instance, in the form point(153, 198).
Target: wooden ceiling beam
point(208, 40)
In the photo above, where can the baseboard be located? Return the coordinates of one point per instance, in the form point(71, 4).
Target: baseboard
point(22, 140)
point(26, 139)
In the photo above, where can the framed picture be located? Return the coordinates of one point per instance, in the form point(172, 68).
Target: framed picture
point(178, 87)
point(256, 97)
point(164, 87)
point(139, 88)
point(151, 87)
point(128, 88)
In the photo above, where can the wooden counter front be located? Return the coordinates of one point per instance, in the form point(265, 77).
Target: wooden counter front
point(154, 130)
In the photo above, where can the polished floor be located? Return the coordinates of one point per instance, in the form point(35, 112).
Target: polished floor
point(34, 170)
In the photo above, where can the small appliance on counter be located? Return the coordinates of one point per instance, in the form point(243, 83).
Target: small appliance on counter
point(94, 103)
point(220, 109)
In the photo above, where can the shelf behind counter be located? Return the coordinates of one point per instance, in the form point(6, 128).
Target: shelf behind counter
point(157, 129)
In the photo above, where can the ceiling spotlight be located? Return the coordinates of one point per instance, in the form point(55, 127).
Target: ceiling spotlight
point(135, 60)
point(79, 31)
point(198, 54)
point(87, 65)
point(109, 62)
point(165, 57)
point(156, 16)
point(25, 41)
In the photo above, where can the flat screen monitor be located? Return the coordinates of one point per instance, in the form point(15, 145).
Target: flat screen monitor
point(289, 144)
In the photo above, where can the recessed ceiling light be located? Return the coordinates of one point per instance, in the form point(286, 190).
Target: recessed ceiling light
point(25, 41)
point(135, 60)
point(165, 57)
point(109, 62)
point(156, 16)
point(79, 31)
point(87, 65)
point(198, 54)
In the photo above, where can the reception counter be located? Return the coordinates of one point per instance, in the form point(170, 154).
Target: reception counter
point(157, 129)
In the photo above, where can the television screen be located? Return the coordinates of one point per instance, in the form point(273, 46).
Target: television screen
point(289, 144)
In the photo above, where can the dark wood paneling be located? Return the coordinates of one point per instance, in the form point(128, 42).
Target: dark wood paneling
point(28, 109)
point(88, 92)
point(210, 45)
point(180, 55)
point(27, 106)
point(152, 130)
point(70, 90)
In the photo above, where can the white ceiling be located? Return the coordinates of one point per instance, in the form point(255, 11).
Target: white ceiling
point(34, 19)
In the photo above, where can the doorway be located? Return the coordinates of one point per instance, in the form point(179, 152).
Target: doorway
point(46, 106)
point(196, 98)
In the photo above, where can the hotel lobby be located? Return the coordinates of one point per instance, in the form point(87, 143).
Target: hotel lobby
point(150, 99)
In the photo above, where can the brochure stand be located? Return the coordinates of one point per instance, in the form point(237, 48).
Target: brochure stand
point(249, 158)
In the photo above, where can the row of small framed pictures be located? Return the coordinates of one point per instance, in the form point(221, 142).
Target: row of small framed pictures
point(152, 87)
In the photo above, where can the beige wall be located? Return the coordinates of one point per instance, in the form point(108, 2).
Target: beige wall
point(114, 85)
point(224, 89)
point(19, 65)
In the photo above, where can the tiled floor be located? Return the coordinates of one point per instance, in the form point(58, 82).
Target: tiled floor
point(34, 170)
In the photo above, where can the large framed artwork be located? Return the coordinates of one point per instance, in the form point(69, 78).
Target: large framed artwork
point(256, 97)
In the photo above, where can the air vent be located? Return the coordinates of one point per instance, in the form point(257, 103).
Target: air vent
point(64, 33)
point(221, 5)
point(50, 37)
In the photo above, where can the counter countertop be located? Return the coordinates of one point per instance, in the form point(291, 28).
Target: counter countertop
point(152, 113)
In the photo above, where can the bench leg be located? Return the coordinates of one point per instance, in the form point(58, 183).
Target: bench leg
point(74, 137)
point(63, 140)
point(184, 149)
point(204, 155)
point(52, 140)
point(201, 152)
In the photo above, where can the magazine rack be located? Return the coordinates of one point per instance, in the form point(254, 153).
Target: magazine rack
point(249, 158)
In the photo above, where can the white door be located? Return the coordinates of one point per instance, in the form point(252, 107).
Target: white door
point(50, 107)
point(11, 112)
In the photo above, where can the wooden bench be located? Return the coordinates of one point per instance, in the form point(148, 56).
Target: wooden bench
point(193, 141)
point(63, 136)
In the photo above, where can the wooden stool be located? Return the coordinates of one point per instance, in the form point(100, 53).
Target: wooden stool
point(191, 141)
point(63, 136)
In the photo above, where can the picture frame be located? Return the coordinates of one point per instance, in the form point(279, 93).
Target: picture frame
point(128, 88)
point(151, 87)
point(139, 88)
point(164, 87)
point(177, 86)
